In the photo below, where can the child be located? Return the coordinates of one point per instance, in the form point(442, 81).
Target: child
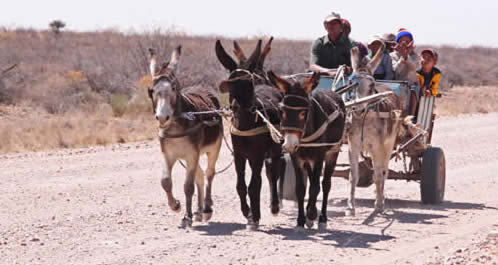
point(405, 60)
point(385, 69)
point(428, 75)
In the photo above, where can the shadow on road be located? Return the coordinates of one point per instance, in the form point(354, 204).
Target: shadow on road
point(219, 228)
point(400, 204)
point(336, 238)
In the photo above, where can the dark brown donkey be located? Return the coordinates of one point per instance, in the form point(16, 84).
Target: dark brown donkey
point(312, 125)
point(185, 139)
point(249, 91)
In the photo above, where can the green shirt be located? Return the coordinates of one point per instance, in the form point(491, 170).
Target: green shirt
point(329, 55)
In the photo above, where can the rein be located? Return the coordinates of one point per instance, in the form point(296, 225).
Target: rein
point(307, 141)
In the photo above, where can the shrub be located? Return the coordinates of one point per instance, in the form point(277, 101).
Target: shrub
point(119, 104)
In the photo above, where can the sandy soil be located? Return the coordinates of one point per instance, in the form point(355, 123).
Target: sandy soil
point(105, 205)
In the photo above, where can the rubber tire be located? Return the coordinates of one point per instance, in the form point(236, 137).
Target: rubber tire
point(432, 176)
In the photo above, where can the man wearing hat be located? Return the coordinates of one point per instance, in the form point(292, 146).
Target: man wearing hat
point(385, 69)
point(389, 40)
point(332, 50)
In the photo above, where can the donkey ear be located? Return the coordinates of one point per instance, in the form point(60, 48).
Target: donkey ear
point(253, 60)
point(311, 82)
point(224, 86)
point(264, 53)
point(175, 56)
point(239, 53)
point(374, 63)
point(224, 58)
point(153, 62)
point(355, 59)
point(279, 82)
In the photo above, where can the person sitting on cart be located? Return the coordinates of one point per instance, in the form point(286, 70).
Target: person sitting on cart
point(389, 40)
point(332, 50)
point(347, 31)
point(405, 64)
point(385, 69)
point(429, 75)
point(405, 60)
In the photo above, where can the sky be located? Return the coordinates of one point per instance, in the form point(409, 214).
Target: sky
point(460, 23)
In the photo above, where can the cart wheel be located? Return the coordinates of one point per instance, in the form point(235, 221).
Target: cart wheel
point(432, 176)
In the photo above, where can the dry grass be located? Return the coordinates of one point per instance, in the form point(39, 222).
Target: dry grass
point(29, 130)
point(466, 100)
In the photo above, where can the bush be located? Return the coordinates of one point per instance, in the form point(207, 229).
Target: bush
point(119, 104)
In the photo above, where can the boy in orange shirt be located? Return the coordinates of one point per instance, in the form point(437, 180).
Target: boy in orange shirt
point(428, 75)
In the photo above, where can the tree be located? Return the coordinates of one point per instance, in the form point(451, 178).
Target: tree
point(56, 26)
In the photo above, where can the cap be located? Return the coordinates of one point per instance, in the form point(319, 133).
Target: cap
point(402, 33)
point(431, 51)
point(388, 37)
point(375, 38)
point(346, 22)
point(332, 16)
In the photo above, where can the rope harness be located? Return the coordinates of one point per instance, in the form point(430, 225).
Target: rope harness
point(308, 140)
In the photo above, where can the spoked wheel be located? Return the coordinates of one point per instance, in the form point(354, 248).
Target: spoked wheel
point(433, 176)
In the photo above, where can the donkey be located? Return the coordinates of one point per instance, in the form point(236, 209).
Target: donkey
point(318, 119)
point(373, 128)
point(181, 138)
point(249, 91)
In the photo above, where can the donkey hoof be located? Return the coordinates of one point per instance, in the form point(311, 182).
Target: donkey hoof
point(186, 222)
point(197, 217)
point(176, 207)
point(379, 209)
point(275, 210)
point(207, 214)
point(309, 223)
point(349, 212)
point(299, 229)
point(252, 226)
point(322, 226)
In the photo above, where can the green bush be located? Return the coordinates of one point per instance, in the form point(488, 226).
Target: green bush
point(119, 104)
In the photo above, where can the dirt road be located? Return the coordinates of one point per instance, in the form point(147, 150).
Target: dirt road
point(105, 205)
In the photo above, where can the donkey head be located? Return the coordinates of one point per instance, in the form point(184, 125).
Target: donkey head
point(363, 69)
point(295, 108)
point(244, 74)
point(164, 92)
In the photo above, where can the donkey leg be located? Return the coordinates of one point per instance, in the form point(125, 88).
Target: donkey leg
point(314, 176)
point(188, 187)
point(210, 172)
point(281, 179)
point(167, 185)
point(326, 184)
point(199, 182)
point(354, 153)
point(240, 169)
point(273, 175)
point(254, 192)
point(300, 192)
point(381, 172)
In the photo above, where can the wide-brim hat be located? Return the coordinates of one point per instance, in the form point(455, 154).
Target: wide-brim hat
point(375, 38)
